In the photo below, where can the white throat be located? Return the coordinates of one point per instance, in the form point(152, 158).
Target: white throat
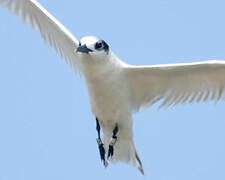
point(93, 68)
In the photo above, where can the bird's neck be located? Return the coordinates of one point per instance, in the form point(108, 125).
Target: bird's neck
point(96, 70)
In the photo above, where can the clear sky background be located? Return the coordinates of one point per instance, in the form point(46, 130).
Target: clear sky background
point(47, 130)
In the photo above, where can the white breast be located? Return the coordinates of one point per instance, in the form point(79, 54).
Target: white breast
point(108, 92)
point(108, 97)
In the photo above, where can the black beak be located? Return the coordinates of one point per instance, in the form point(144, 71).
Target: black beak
point(83, 49)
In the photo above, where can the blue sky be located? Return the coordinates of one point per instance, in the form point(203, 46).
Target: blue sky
point(47, 130)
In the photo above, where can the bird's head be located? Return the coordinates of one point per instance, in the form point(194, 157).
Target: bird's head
point(93, 47)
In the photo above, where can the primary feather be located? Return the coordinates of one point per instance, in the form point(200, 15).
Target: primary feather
point(176, 83)
point(51, 30)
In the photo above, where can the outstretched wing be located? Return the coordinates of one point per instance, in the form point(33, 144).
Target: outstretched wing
point(176, 83)
point(52, 31)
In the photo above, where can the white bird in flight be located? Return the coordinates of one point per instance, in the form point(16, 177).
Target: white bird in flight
point(117, 89)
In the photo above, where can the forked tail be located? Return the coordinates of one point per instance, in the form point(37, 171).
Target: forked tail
point(124, 150)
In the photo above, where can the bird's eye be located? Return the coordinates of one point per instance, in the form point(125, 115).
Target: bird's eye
point(99, 45)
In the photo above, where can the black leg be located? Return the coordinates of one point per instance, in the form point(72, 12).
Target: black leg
point(100, 144)
point(98, 128)
point(113, 141)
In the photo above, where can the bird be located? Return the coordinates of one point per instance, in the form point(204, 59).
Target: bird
point(116, 89)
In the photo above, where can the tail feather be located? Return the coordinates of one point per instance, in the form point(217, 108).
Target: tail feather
point(140, 167)
point(124, 151)
point(124, 148)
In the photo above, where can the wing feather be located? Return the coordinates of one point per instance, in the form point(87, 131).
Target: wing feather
point(51, 30)
point(176, 83)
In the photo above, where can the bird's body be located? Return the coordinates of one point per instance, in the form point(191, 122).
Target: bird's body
point(117, 89)
point(109, 99)
point(105, 89)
